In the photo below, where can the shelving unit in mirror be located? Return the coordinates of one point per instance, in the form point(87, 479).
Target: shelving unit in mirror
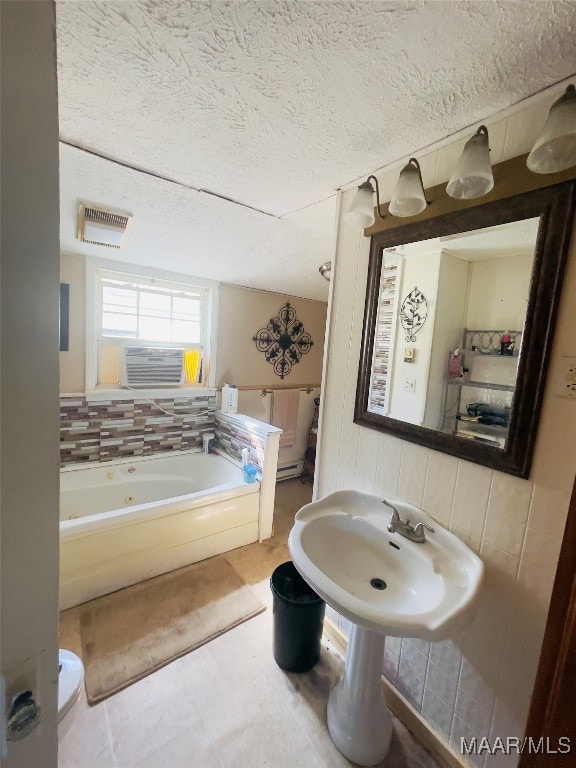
point(478, 401)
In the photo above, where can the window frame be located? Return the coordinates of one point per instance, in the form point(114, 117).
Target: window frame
point(96, 268)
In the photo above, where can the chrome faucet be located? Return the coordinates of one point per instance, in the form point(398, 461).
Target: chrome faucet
point(405, 528)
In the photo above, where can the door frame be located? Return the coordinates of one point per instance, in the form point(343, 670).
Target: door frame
point(552, 714)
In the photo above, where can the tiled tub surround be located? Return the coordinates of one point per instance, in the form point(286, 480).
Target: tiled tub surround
point(480, 682)
point(104, 430)
point(234, 432)
point(133, 540)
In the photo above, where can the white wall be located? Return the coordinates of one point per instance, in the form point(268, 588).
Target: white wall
point(499, 292)
point(481, 682)
point(29, 393)
point(419, 271)
point(449, 320)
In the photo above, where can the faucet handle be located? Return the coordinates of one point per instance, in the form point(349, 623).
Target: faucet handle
point(395, 514)
point(421, 526)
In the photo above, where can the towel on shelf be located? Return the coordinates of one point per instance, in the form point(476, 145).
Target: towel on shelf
point(284, 414)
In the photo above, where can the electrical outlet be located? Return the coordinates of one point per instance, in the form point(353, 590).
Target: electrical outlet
point(409, 385)
point(567, 378)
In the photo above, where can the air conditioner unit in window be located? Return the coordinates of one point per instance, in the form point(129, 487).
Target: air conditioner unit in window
point(148, 366)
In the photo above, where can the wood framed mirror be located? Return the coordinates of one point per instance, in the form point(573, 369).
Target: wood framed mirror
point(470, 380)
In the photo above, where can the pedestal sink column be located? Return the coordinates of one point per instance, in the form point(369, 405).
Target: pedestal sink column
point(358, 719)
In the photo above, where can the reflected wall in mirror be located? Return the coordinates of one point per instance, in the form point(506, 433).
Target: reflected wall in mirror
point(471, 382)
point(459, 373)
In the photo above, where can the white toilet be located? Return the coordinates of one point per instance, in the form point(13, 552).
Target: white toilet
point(70, 682)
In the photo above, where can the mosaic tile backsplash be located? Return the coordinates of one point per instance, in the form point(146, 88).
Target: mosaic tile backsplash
point(232, 436)
point(105, 430)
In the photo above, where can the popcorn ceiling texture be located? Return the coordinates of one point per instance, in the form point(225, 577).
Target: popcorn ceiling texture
point(277, 104)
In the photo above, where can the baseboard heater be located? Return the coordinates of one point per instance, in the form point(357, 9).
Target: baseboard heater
point(289, 469)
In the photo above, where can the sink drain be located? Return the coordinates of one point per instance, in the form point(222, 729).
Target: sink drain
point(378, 583)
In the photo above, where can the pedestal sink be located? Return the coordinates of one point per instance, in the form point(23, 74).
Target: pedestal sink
point(384, 584)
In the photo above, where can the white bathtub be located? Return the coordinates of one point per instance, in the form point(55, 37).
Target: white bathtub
point(125, 521)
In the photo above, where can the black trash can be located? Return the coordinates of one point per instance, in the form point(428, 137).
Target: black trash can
point(298, 618)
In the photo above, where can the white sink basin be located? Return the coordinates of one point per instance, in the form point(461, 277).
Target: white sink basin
point(380, 580)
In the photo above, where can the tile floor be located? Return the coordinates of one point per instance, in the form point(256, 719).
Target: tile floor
point(226, 704)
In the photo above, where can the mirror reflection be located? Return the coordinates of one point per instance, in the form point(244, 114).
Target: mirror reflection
point(448, 330)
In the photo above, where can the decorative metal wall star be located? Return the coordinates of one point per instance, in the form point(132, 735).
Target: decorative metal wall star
point(283, 341)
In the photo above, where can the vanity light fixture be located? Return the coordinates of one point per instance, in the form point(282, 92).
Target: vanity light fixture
point(473, 175)
point(554, 151)
point(408, 198)
point(555, 148)
point(361, 211)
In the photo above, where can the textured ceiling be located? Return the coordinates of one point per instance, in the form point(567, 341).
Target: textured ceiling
point(274, 105)
point(185, 231)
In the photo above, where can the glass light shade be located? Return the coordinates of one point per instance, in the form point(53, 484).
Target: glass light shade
point(473, 175)
point(361, 211)
point(408, 198)
point(555, 149)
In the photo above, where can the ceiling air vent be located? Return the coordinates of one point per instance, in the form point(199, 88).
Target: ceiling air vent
point(100, 227)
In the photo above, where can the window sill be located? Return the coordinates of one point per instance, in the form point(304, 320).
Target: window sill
point(164, 393)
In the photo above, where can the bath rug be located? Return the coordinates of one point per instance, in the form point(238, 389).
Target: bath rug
point(132, 632)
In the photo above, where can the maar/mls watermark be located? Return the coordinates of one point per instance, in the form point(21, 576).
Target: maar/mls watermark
point(513, 745)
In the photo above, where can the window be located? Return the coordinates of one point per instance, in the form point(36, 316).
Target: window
point(143, 310)
point(150, 311)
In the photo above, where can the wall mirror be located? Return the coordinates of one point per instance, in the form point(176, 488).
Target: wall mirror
point(458, 326)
